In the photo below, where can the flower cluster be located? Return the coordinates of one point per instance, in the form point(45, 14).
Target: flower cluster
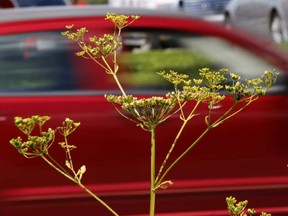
point(74, 35)
point(35, 145)
point(202, 94)
point(238, 208)
point(214, 80)
point(121, 21)
point(99, 47)
point(175, 78)
point(68, 127)
point(205, 90)
point(258, 86)
point(146, 112)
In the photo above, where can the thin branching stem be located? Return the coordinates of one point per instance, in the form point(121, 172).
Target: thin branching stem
point(97, 198)
point(76, 181)
point(116, 67)
point(152, 172)
point(181, 156)
point(56, 163)
point(251, 99)
point(119, 84)
point(67, 175)
point(185, 121)
point(92, 57)
point(68, 155)
point(224, 117)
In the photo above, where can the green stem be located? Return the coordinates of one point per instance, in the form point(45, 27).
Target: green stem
point(251, 99)
point(107, 67)
point(171, 150)
point(97, 198)
point(59, 170)
point(92, 57)
point(54, 162)
point(118, 38)
point(80, 184)
point(152, 172)
point(185, 121)
point(119, 84)
point(182, 155)
point(209, 127)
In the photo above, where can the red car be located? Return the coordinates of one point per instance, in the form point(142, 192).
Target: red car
point(246, 157)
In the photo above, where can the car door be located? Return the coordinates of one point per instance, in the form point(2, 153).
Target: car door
point(245, 143)
point(263, 10)
point(40, 75)
point(284, 9)
point(243, 13)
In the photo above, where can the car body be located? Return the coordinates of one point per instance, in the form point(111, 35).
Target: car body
point(197, 7)
point(40, 75)
point(265, 18)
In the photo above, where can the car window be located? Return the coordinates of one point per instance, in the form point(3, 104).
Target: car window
point(34, 62)
point(41, 62)
point(147, 52)
point(29, 3)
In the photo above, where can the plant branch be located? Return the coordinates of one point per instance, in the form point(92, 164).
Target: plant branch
point(223, 118)
point(152, 172)
point(185, 121)
point(76, 181)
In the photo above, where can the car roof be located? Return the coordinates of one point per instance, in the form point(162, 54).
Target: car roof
point(32, 13)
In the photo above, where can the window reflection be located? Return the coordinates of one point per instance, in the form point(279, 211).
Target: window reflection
point(147, 52)
point(34, 62)
point(46, 61)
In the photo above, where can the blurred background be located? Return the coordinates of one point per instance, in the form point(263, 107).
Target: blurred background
point(261, 17)
point(40, 74)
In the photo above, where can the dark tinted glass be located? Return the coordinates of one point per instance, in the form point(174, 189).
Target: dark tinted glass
point(29, 3)
point(35, 62)
point(46, 62)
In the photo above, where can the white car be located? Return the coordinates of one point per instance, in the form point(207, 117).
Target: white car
point(268, 18)
point(205, 6)
point(150, 4)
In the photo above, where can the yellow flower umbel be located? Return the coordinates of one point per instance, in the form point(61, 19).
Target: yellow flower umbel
point(145, 112)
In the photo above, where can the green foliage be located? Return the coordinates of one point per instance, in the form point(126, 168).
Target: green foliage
point(241, 89)
point(141, 64)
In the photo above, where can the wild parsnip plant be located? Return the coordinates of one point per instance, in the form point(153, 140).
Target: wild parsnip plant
point(148, 113)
